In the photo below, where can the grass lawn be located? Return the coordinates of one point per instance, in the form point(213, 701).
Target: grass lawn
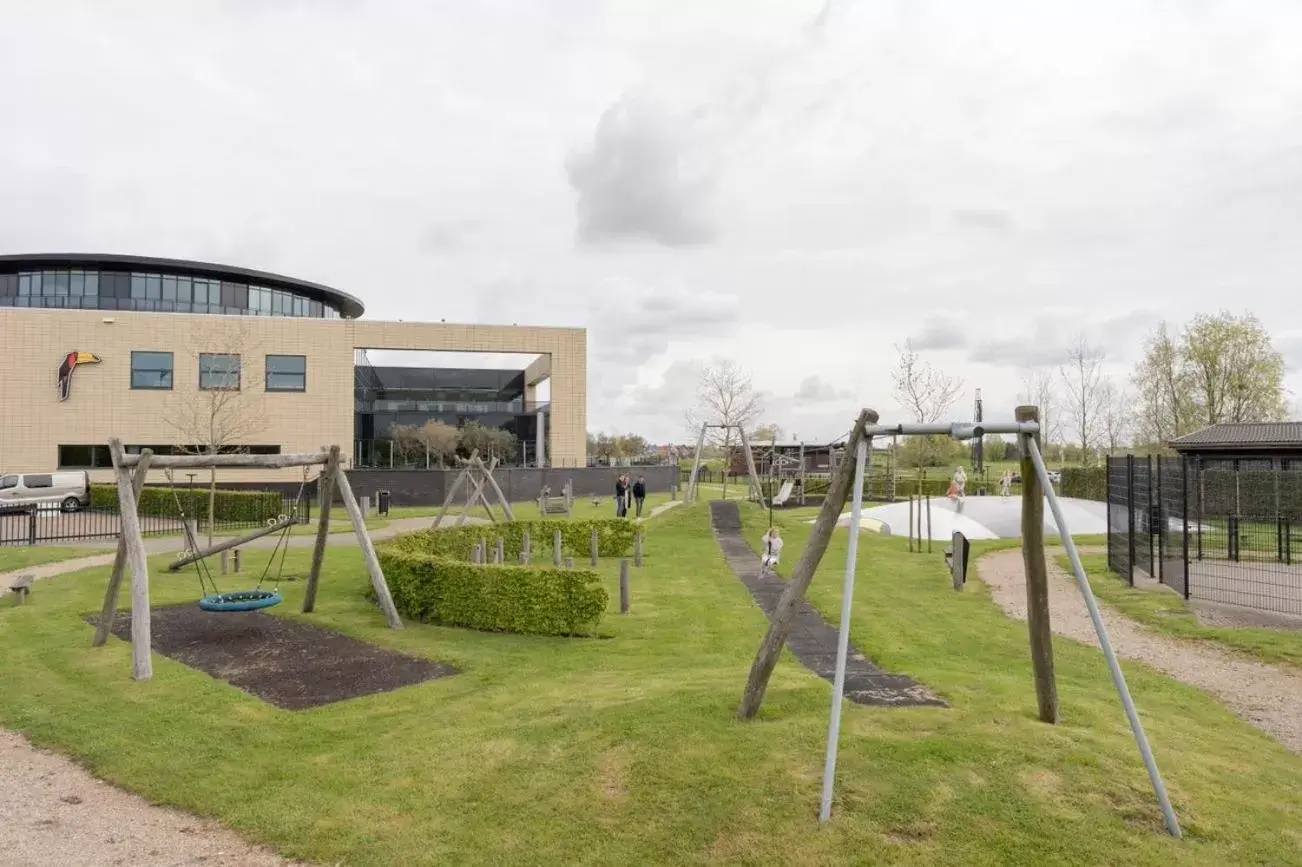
point(627, 751)
point(14, 558)
point(583, 509)
point(1165, 612)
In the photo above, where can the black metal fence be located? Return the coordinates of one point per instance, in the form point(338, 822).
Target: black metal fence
point(37, 525)
point(1224, 531)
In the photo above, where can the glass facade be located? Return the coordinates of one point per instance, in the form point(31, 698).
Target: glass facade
point(153, 292)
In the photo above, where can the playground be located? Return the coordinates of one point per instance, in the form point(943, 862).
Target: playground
point(547, 749)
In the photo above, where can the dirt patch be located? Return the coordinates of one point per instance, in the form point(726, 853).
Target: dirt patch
point(53, 813)
point(1266, 696)
point(285, 663)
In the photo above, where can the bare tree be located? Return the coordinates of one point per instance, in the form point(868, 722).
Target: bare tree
point(1083, 377)
point(1038, 390)
point(724, 396)
point(1115, 415)
point(927, 394)
point(221, 414)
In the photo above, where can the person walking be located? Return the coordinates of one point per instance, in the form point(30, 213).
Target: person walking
point(639, 493)
point(959, 489)
point(1006, 484)
point(621, 496)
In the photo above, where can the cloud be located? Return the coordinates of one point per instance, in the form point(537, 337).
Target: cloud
point(939, 332)
point(987, 219)
point(644, 177)
point(814, 389)
point(1047, 341)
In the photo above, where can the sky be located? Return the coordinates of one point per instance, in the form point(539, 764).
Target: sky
point(797, 187)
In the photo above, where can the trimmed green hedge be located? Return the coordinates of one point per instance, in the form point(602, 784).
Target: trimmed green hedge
point(233, 506)
point(615, 538)
point(493, 598)
point(1086, 483)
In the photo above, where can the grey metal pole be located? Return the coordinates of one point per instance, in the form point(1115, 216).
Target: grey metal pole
point(1119, 679)
point(843, 639)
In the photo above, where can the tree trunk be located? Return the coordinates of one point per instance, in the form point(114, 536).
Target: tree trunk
point(838, 489)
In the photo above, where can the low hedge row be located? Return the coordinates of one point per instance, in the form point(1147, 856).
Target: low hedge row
point(494, 598)
point(234, 506)
point(1085, 483)
point(615, 538)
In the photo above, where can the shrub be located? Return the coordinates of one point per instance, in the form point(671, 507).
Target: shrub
point(233, 506)
point(493, 598)
point(614, 538)
point(1086, 483)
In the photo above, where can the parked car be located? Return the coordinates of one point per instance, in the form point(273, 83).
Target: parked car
point(70, 491)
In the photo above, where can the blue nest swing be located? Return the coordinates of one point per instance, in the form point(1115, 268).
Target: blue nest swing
point(241, 600)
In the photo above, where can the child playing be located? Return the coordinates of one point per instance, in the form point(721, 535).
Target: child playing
point(772, 550)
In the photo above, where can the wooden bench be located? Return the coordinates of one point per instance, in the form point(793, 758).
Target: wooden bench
point(22, 585)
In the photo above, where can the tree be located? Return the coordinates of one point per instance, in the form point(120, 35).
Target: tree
point(1038, 390)
point(438, 440)
point(406, 442)
point(1114, 415)
point(724, 396)
point(926, 393)
point(766, 433)
point(222, 414)
point(1221, 368)
point(1083, 377)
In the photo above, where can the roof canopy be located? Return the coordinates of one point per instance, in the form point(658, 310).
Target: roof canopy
point(1263, 437)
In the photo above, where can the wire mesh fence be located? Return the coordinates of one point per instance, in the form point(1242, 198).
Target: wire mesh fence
point(1224, 531)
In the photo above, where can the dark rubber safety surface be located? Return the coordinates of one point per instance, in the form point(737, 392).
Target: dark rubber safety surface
point(812, 640)
point(287, 663)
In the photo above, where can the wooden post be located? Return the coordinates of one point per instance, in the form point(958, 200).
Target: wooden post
point(910, 522)
point(142, 661)
point(525, 554)
point(928, 525)
point(225, 561)
point(1037, 578)
point(106, 613)
point(326, 483)
point(556, 547)
point(569, 562)
point(235, 561)
point(596, 544)
point(623, 586)
point(838, 489)
point(368, 550)
point(506, 506)
point(637, 548)
point(501, 550)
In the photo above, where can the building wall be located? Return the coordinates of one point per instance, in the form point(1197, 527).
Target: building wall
point(103, 404)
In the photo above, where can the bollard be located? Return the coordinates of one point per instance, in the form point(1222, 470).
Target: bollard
point(623, 586)
point(524, 549)
point(235, 561)
point(569, 562)
point(637, 549)
point(596, 544)
point(501, 550)
point(224, 553)
point(556, 548)
point(366, 507)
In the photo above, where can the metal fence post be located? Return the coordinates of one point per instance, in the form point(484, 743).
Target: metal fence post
point(1130, 519)
point(1107, 497)
point(1156, 510)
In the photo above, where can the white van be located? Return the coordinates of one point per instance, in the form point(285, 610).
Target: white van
point(69, 491)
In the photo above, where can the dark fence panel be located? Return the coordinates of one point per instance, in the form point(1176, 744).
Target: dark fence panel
point(518, 484)
point(1119, 518)
point(1142, 500)
point(1172, 506)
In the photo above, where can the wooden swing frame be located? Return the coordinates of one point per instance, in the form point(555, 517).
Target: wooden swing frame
point(130, 472)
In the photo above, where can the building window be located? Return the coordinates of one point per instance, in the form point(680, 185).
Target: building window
point(151, 370)
point(286, 373)
point(219, 371)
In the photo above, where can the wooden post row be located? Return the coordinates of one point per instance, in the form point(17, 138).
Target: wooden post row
point(1037, 578)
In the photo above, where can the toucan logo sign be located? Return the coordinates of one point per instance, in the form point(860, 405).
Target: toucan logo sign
point(71, 362)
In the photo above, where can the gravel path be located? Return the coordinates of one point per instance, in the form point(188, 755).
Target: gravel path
point(1266, 696)
point(52, 812)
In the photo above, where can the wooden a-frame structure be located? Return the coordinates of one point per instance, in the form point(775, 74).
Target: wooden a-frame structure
point(131, 470)
point(477, 474)
point(756, 490)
